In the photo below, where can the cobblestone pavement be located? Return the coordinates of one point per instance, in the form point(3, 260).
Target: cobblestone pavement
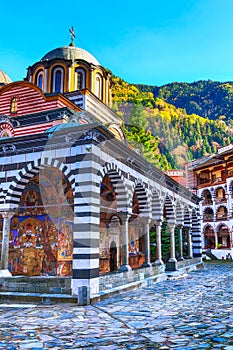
point(195, 312)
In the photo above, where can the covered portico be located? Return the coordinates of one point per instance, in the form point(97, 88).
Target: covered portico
point(114, 198)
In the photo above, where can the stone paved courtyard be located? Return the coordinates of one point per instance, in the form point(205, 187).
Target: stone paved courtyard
point(193, 312)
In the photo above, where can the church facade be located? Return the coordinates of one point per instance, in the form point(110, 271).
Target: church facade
point(75, 200)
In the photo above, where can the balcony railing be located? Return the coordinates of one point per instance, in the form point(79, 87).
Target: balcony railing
point(220, 200)
point(204, 181)
point(217, 179)
point(207, 202)
point(221, 217)
point(208, 217)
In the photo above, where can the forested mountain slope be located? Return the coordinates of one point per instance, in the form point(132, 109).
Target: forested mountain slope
point(166, 135)
point(207, 98)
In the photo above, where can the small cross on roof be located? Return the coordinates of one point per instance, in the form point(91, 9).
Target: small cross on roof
point(72, 35)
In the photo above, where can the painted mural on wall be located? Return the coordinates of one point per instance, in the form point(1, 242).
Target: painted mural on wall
point(41, 235)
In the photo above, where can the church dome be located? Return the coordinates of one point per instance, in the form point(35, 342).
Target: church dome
point(70, 53)
point(4, 79)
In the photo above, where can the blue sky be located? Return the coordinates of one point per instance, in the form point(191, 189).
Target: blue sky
point(152, 42)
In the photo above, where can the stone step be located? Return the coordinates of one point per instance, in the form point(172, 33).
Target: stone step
point(37, 298)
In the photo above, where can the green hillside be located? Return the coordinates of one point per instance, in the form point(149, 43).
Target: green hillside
point(166, 135)
point(209, 99)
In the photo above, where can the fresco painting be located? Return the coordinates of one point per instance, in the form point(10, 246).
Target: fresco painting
point(41, 234)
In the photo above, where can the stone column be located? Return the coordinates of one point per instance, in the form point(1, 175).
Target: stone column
point(229, 204)
point(171, 265)
point(125, 242)
point(159, 260)
point(216, 239)
point(190, 244)
point(4, 272)
point(146, 228)
point(172, 243)
point(180, 227)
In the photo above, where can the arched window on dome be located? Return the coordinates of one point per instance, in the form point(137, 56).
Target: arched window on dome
point(14, 105)
point(99, 86)
point(57, 80)
point(40, 79)
point(80, 79)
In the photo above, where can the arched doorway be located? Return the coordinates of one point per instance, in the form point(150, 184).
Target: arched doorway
point(113, 200)
point(209, 237)
point(137, 231)
point(41, 233)
point(223, 234)
point(108, 206)
point(220, 194)
point(207, 197)
point(222, 213)
point(113, 257)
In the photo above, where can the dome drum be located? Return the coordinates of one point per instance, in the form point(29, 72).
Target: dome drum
point(69, 69)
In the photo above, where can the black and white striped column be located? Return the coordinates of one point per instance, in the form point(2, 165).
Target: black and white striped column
point(196, 235)
point(86, 226)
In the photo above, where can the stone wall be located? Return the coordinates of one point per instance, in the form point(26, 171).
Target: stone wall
point(47, 285)
point(62, 285)
point(186, 263)
point(115, 279)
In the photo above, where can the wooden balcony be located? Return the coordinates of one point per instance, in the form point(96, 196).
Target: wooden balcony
point(208, 182)
point(230, 173)
point(204, 181)
point(217, 180)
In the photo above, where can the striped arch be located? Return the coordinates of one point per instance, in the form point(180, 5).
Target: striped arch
point(157, 206)
point(207, 207)
point(207, 197)
point(223, 188)
point(143, 198)
point(209, 241)
point(221, 215)
point(33, 168)
point(169, 210)
point(221, 206)
point(207, 226)
point(201, 194)
point(179, 214)
point(118, 182)
point(223, 234)
point(221, 224)
point(219, 187)
point(196, 234)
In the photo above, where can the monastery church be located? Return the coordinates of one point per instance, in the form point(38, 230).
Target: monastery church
point(76, 201)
